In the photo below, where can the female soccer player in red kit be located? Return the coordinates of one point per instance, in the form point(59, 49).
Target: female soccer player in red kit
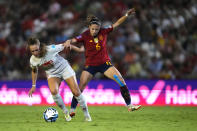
point(97, 60)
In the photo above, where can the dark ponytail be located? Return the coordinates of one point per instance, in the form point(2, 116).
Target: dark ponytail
point(91, 19)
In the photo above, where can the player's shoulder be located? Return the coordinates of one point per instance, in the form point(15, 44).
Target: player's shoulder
point(107, 27)
point(34, 60)
point(86, 32)
point(51, 47)
point(83, 34)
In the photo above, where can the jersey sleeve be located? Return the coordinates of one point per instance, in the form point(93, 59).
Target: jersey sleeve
point(34, 62)
point(32, 66)
point(80, 38)
point(108, 29)
point(56, 48)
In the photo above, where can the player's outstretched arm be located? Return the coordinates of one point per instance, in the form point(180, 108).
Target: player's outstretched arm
point(73, 40)
point(123, 18)
point(34, 78)
point(75, 48)
point(68, 43)
point(78, 49)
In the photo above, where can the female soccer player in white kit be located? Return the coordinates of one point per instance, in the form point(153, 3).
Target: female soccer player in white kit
point(56, 68)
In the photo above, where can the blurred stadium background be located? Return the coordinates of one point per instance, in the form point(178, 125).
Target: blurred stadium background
point(155, 51)
point(160, 42)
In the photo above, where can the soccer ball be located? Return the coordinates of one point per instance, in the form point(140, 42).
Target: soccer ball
point(50, 114)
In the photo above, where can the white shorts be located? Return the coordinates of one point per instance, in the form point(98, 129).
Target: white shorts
point(65, 74)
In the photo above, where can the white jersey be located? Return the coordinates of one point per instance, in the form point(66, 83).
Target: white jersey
point(52, 62)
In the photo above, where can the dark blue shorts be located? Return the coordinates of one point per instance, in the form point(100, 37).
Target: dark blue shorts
point(100, 68)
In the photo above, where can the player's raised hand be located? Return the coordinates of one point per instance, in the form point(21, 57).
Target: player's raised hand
point(130, 12)
point(32, 90)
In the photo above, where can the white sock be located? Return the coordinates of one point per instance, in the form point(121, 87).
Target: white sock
point(58, 100)
point(83, 105)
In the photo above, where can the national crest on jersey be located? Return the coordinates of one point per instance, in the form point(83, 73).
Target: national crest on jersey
point(96, 40)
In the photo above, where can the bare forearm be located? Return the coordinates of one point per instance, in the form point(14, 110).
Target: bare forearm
point(34, 74)
point(73, 40)
point(120, 21)
point(77, 49)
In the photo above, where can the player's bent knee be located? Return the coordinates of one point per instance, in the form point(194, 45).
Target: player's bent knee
point(82, 86)
point(54, 92)
point(77, 93)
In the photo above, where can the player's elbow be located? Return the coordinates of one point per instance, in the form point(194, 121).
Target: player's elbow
point(82, 49)
point(35, 70)
point(115, 25)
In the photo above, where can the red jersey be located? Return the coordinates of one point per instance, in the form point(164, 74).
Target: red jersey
point(95, 47)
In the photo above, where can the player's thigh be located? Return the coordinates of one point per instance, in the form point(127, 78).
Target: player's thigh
point(54, 83)
point(84, 79)
point(72, 83)
point(114, 74)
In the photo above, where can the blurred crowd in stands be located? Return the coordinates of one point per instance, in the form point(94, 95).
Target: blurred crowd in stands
point(159, 42)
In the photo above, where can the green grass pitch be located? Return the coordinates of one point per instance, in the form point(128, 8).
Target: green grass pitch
point(105, 118)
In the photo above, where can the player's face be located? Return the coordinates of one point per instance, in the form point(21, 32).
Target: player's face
point(35, 49)
point(94, 29)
